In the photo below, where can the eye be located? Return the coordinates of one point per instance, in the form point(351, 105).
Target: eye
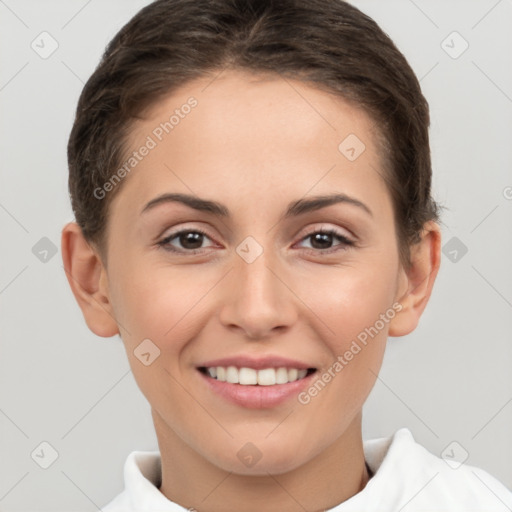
point(191, 241)
point(322, 241)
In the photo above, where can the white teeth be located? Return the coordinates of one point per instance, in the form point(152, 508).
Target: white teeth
point(293, 374)
point(301, 374)
point(232, 375)
point(247, 376)
point(221, 373)
point(281, 376)
point(267, 377)
point(250, 376)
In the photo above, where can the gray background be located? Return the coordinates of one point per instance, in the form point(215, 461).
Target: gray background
point(59, 383)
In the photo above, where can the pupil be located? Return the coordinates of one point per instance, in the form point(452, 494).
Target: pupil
point(191, 240)
point(325, 240)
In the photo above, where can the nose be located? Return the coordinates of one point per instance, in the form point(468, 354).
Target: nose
point(257, 300)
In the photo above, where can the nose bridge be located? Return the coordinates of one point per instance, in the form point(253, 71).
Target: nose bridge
point(256, 280)
point(257, 301)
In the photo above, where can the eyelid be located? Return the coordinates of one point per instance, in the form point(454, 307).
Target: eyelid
point(184, 229)
point(309, 231)
point(164, 240)
point(345, 243)
point(169, 232)
point(324, 227)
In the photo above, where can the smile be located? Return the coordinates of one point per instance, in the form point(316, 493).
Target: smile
point(253, 377)
point(256, 382)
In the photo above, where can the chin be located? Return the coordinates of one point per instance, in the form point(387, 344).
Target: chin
point(261, 459)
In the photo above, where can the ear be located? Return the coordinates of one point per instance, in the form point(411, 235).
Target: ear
point(415, 284)
point(88, 280)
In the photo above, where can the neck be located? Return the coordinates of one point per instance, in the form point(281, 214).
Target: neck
point(330, 478)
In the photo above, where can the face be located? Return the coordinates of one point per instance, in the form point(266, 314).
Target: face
point(262, 286)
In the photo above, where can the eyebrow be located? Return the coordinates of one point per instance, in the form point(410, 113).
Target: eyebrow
point(294, 209)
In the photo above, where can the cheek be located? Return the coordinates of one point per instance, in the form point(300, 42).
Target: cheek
point(348, 300)
point(147, 304)
point(166, 305)
point(155, 305)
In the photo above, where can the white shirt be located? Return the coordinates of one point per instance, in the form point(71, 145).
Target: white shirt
point(407, 478)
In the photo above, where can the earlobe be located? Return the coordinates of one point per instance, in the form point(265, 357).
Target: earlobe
point(416, 284)
point(88, 281)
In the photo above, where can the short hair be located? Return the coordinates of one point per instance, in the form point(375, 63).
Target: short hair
point(328, 44)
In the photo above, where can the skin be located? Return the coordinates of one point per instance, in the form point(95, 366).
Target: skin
point(254, 143)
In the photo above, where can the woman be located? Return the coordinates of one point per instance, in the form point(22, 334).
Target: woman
point(252, 188)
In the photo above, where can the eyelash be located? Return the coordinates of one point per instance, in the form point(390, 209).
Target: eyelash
point(345, 242)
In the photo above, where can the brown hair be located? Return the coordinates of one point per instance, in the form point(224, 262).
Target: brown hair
point(327, 43)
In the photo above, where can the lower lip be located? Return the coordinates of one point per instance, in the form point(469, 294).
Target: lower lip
point(257, 397)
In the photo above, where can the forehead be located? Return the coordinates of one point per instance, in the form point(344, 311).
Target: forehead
point(241, 135)
point(255, 107)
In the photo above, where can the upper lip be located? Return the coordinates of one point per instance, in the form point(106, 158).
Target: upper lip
point(257, 363)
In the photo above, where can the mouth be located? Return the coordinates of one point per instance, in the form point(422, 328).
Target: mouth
point(246, 376)
point(256, 384)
